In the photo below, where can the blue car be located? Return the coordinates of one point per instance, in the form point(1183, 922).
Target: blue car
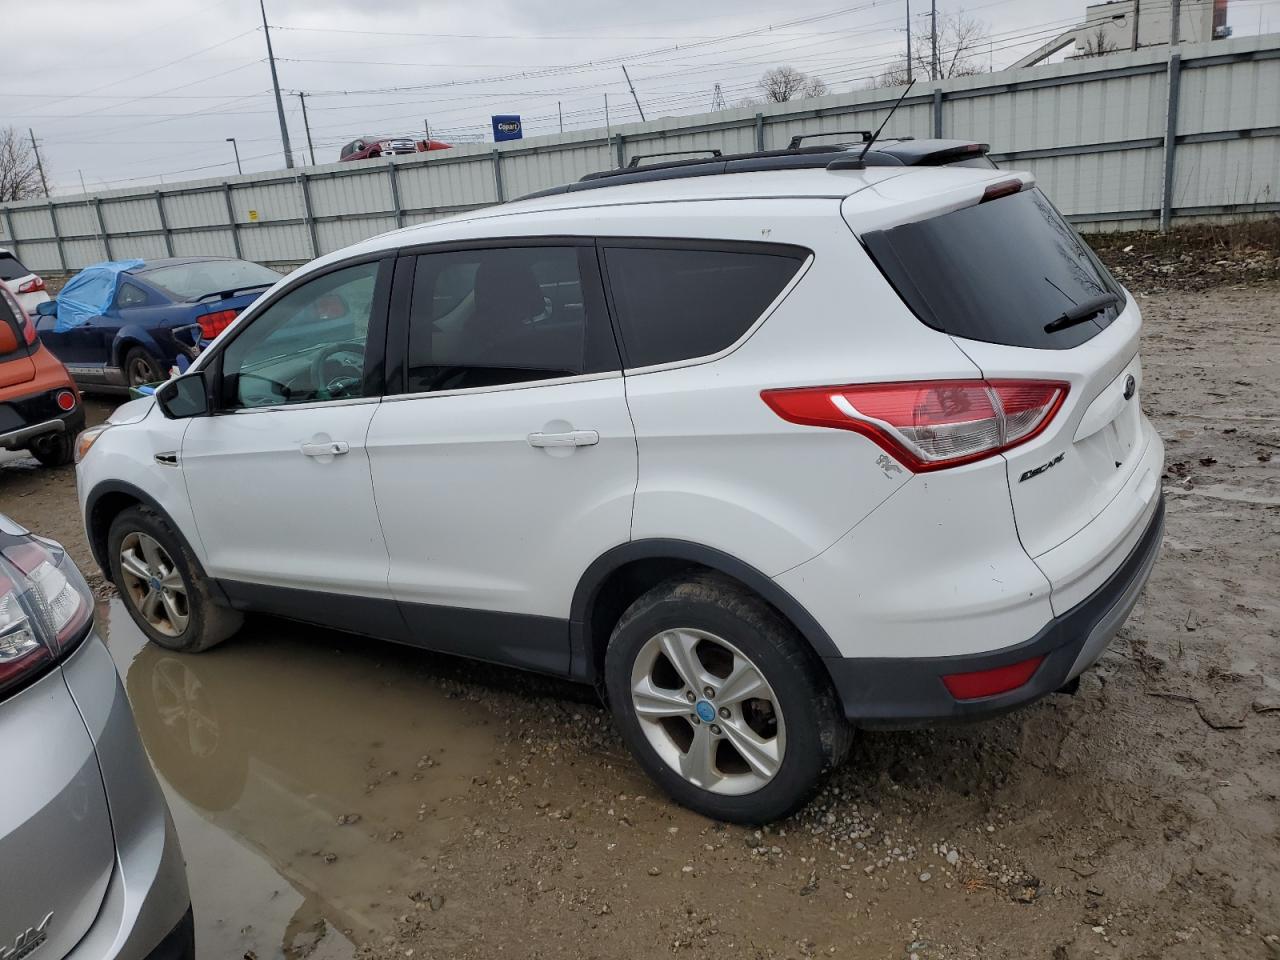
point(156, 312)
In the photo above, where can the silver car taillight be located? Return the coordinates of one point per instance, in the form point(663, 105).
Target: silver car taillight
point(45, 606)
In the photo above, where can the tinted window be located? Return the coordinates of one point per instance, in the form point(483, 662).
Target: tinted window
point(10, 268)
point(190, 281)
point(130, 296)
point(483, 318)
point(307, 346)
point(998, 272)
point(676, 304)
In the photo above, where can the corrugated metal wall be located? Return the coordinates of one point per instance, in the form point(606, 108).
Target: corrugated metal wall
point(1093, 132)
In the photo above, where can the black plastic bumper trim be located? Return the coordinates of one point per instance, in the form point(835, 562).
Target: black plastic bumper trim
point(893, 691)
point(179, 943)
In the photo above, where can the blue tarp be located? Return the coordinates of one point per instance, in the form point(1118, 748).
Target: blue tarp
point(89, 293)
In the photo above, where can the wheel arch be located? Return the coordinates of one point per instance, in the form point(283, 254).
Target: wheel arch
point(131, 336)
point(107, 501)
point(615, 579)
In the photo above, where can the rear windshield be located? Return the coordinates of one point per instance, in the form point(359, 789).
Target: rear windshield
point(190, 281)
point(10, 268)
point(1000, 272)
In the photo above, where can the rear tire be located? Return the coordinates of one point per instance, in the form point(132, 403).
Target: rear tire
point(754, 734)
point(162, 588)
point(141, 367)
point(54, 451)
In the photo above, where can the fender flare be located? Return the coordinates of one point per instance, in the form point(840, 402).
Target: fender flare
point(589, 585)
point(128, 489)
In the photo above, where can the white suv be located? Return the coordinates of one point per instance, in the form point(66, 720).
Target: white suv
point(765, 456)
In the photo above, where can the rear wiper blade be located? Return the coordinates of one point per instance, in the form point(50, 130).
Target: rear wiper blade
point(1085, 310)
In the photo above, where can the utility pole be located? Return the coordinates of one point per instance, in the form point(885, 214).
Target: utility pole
point(426, 126)
point(933, 29)
point(560, 111)
point(302, 99)
point(1175, 26)
point(275, 82)
point(1133, 44)
point(909, 77)
point(39, 166)
point(717, 99)
point(606, 116)
point(232, 141)
point(633, 91)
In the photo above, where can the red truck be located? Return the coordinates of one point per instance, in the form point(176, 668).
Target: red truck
point(367, 148)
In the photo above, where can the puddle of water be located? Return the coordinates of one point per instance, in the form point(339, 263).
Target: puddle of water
point(266, 745)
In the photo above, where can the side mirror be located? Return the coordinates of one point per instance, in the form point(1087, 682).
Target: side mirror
point(47, 308)
point(186, 396)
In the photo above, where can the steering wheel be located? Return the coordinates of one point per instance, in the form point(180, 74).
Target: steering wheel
point(337, 368)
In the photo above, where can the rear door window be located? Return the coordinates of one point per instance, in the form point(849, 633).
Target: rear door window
point(10, 268)
point(678, 302)
point(1000, 272)
point(492, 317)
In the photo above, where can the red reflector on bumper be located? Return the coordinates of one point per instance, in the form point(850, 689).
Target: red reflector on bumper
point(987, 683)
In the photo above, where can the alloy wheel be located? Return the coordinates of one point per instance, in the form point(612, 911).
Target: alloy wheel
point(154, 584)
point(142, 370)
point(708, 711)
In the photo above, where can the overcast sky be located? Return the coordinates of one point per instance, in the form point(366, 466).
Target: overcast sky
point(151, 94)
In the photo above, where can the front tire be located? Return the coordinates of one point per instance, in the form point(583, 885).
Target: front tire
point(161, 586)
point(722, 702)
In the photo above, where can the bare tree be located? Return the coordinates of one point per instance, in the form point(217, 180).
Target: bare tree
point(1098, 44)
point(19, 178)
point(961, 39)
point(787, 83)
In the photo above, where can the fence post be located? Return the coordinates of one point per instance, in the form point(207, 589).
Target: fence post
point(310, 214)
point(1170, 140)
point(231, 220)
point(164, 225)
point(394, 176)
point(497, 177)
point(102, 227)
point(8, 225)
point(937, 113)
point(57, 236)
point(760, 132)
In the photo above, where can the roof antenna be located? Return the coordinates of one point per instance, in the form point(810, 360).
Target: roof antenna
point(858, 163)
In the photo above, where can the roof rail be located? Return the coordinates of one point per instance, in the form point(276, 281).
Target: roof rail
point(635, 160)
point(799, 138)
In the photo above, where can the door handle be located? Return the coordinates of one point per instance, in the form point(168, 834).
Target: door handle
point(572, 438)
point(330, 448)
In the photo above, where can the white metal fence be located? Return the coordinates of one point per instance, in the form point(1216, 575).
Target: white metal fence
point(1126, 141)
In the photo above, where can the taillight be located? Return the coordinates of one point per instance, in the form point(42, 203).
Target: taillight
point(34, 285)
point(45, 606)
point(66, 400)
point(929, 424)
point(1005, 188)
point(212, 324)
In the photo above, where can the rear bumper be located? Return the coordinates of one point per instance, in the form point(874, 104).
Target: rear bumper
point(146, 909)
point(907, 691)
point(42, 416)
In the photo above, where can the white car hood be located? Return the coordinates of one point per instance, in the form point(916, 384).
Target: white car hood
point(133, 411)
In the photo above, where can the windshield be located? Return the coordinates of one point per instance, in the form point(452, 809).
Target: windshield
point(1000, 272)
point(191, 281)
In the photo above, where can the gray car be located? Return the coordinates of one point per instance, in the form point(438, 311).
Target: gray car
point(90, 867)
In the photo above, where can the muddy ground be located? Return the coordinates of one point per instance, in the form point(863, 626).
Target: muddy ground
point(337, 796)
